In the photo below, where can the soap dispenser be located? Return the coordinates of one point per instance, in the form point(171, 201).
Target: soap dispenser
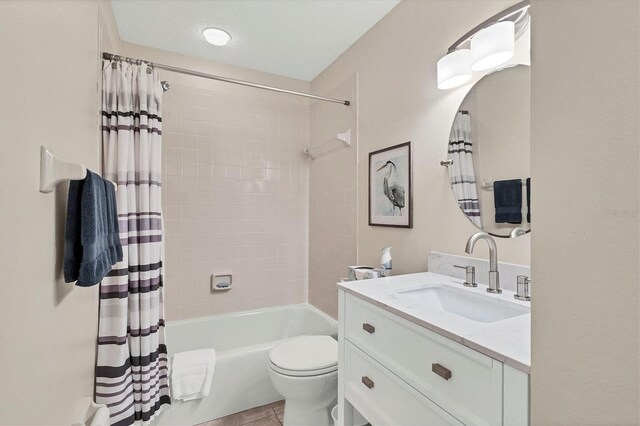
point(385, 261)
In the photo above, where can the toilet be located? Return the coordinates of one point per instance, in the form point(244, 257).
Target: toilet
point(304, 370)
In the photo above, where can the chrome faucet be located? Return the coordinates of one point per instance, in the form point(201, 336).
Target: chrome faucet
point(494, 277)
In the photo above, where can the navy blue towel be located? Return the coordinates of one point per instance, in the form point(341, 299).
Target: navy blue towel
point(92, 241)
point(507, 199)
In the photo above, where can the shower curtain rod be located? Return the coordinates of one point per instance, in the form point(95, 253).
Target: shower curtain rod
point(110, 56)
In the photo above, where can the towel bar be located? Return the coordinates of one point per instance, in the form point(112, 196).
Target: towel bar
point(54, 171)
point(487, 185)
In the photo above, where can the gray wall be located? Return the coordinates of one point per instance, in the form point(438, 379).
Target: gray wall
point(49, 77)
point(585, 258)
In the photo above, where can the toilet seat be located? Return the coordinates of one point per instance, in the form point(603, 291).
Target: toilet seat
point(305, 356)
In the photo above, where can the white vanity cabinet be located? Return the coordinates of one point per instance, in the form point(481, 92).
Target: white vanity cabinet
point(395, 372)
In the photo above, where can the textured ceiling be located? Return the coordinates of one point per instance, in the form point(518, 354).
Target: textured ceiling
point(294, 38)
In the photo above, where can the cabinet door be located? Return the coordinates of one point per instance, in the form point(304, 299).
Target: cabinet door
point(383, 398)
point(516, 397)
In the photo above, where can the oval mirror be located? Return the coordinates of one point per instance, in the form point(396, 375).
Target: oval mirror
point(490, 153)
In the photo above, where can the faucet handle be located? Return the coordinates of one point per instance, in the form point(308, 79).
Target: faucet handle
point(471, 275)
point(522, 290)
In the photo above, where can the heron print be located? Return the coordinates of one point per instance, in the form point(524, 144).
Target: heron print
point(390, 186)
point(394, 192)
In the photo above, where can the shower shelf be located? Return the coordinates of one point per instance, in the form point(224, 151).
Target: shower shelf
point(344, 137)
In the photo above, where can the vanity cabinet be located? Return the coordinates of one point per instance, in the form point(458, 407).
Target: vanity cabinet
point(395, 372)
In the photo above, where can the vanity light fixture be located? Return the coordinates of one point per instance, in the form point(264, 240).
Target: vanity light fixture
point(216, 36)
point(493, 46)
point(454, 69)
point(487, 46)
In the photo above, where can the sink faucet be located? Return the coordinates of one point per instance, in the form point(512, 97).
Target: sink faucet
point(494, 278)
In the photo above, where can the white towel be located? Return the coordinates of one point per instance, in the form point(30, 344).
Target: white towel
point(192, 374)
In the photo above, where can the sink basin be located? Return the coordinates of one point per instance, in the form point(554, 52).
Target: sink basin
point(475, 307)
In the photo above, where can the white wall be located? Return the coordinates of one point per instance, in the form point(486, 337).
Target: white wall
point(585, 236)
point(235, 188)
point(49, 77)
point(398, 101)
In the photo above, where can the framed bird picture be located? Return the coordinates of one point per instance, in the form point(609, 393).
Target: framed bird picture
point(390, 200)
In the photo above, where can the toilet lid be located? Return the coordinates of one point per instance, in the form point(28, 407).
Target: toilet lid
point(307, 354)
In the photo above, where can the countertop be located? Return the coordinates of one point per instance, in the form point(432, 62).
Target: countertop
point(508, 341)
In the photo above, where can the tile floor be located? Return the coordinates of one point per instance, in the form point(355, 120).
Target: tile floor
point(266, 415)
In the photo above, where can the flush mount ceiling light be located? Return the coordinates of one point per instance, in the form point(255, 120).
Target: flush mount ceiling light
point(216, 36)
point(454, 69)
point(493, 46)
point(487, 46)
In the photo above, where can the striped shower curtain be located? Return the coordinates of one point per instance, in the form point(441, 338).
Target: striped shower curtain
point(131, 364)
point(461, 173)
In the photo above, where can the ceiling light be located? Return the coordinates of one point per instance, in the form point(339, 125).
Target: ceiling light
point(493, 46)
point(454, 69)
point(216, 36)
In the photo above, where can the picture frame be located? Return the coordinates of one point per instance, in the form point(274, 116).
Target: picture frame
point(390, 187)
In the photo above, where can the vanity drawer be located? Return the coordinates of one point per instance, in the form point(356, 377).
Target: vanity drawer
point(383, 398)
point(462, 381)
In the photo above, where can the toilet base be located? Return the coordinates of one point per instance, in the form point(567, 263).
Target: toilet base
point(300, 414)
point(308, 399)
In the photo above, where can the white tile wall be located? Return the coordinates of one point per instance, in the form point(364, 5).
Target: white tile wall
point(333, 197)
point(235, 200)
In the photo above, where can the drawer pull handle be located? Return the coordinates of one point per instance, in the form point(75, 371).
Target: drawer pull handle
point(367, 382)
point(368, 328)
point(441, 371)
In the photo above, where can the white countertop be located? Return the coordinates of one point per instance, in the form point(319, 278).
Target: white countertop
point(508, 341)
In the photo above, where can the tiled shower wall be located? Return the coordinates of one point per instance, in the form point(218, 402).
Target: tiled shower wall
point(333, 197)
point(235, 200)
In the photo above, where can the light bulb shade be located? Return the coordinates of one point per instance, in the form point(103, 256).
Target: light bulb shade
point(493, 46)
point(454, 69)
point(216, 36)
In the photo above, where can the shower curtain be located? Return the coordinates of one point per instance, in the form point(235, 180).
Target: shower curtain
point(131, 363)
point(461, 173)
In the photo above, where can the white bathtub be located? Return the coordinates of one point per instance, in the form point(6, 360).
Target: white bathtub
point(242, 342)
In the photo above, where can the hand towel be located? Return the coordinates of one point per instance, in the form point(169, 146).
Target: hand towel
point(507, 198)
point(92, 240)
point(192, 374)
point(528, 200)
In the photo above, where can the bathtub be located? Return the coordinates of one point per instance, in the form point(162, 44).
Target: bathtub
point(242, 342)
